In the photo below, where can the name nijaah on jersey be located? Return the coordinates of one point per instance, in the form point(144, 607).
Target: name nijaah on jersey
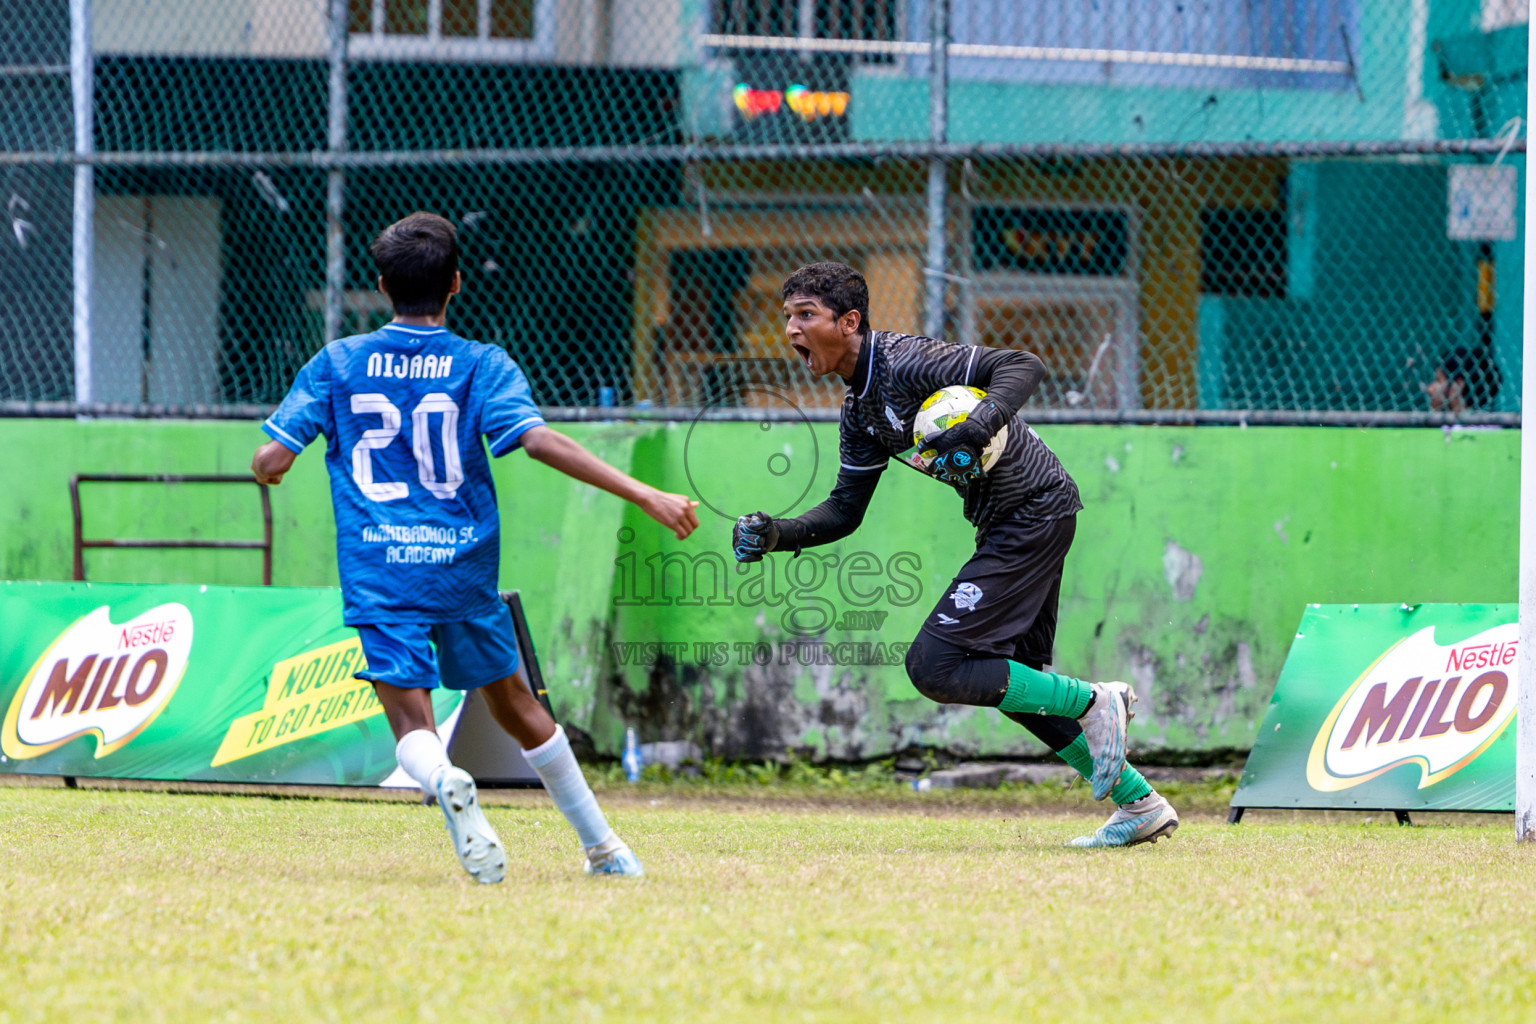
point(387, 364)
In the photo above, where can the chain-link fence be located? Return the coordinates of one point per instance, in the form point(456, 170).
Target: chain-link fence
point(1188, 208)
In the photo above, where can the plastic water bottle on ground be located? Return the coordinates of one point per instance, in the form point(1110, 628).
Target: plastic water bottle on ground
point(632, 760)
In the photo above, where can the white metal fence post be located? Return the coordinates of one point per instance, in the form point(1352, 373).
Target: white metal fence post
point(1525, 724)
point(335, 179)
point(83, 235)
point(938, 170)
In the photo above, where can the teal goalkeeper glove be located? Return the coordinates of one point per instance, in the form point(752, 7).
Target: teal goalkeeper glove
point(959, 448)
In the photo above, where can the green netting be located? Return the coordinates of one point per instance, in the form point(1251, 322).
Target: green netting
point(1180, 204)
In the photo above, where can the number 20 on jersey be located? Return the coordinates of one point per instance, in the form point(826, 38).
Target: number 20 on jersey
point(421, 446)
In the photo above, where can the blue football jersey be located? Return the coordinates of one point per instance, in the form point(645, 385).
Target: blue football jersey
point(404, 410)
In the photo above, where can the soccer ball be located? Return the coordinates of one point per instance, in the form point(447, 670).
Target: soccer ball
point(943, 409)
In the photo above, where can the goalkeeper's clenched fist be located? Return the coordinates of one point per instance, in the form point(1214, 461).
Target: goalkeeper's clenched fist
point(754, 536)
point(959, 447)
point(959, 453)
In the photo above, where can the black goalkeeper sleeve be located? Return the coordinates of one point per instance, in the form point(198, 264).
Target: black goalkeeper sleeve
point(834, 518)
point(1009, 377)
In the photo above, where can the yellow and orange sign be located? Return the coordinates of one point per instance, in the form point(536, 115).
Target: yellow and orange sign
point(808, 104)
point(309, 693)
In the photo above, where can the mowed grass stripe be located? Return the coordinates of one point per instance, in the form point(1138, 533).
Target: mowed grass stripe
point(152, 906)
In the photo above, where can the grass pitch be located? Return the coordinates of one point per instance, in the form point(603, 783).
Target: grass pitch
point(163, 907)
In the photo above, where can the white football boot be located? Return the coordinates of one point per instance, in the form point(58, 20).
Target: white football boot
point(613, 857)
point(476, 843)
point(1104, 732)
point(1143, 821)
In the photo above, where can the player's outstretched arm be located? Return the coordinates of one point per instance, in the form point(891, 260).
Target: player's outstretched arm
point(554, 449)
point(271, 461)
point(832, 520)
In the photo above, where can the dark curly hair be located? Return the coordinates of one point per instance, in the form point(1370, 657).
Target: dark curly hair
point(835, 285)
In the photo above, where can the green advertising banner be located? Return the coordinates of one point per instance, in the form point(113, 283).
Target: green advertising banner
point(1391, 707)
point(215, 684)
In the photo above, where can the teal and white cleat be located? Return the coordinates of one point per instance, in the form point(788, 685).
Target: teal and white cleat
point(1104, 732)
point(476, 843)
point(1146, 821)
point(613, 858)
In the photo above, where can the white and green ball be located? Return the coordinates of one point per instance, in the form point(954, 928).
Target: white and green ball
point(942, 410)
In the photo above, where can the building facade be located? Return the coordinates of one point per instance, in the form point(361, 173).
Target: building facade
point(1227, 204)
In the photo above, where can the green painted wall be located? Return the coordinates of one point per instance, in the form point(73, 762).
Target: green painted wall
point(1194, 557)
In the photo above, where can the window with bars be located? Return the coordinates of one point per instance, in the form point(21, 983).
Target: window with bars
point(450, 29)
point(860, 20)
point(1204, 43)
point(1207, 43)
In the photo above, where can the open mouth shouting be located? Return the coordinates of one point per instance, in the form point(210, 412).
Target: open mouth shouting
point(825, 341)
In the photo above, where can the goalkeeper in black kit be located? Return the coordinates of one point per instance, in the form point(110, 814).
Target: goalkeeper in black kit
point(988, 640)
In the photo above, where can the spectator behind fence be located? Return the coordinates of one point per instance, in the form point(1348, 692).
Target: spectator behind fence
point(1465, 379)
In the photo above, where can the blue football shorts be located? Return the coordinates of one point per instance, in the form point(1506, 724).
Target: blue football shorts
point(458, 655)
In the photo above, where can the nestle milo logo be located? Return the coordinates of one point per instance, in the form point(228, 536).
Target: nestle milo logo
point(100, 678)
point(1419, 703)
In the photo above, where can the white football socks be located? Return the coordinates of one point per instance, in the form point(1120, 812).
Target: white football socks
point(562, 777)
point(423, 757)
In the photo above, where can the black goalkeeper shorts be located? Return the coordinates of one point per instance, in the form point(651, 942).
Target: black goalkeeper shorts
point(1003, 601)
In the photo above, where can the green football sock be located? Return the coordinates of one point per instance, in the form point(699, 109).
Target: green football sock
point(1045, 693)
point(1130, 787)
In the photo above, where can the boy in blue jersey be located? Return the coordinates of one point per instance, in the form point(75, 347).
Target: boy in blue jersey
point(404, 411)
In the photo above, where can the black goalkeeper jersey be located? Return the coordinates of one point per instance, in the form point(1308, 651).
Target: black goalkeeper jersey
point(895, 374)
